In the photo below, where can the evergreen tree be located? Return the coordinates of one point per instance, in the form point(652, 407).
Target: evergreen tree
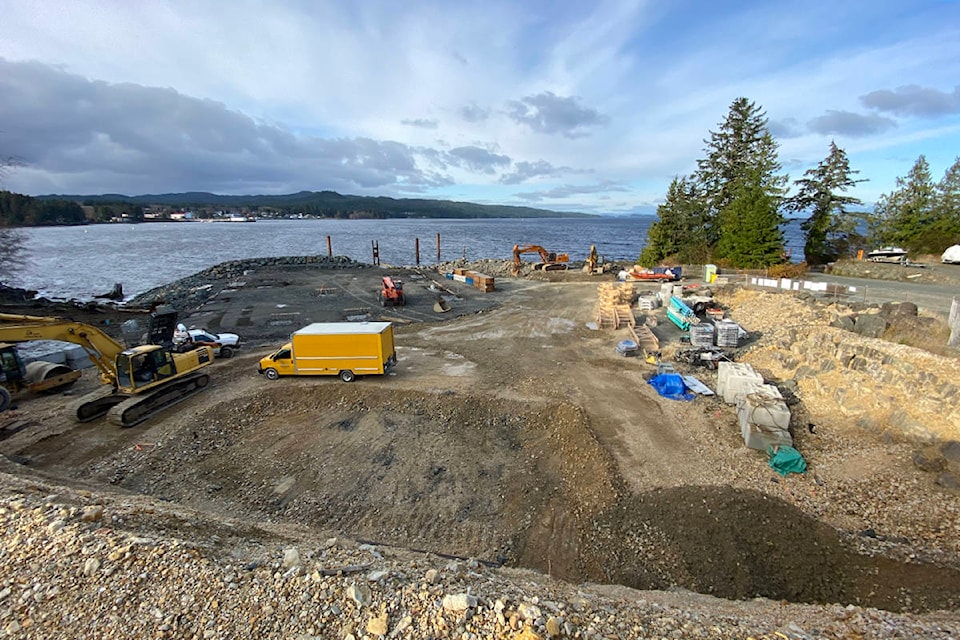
point(742, 152)
point(12, 250)
point(750, 224)
point(679, 234)
point(830, 228)
point(905, 217)
point(947, 205)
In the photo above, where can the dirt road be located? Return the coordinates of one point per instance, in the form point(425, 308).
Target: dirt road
point(510, 431)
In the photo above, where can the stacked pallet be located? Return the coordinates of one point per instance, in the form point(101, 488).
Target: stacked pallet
point(613, 293)
point(613, 308)
point(615, 316)
point(479, 280)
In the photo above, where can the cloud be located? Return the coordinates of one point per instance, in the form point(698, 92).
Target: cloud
point(551, 114)
point(523, 171)
point(850, 124)
point(569, 191)
point(914, 100)
point(477, 159)
point(99, 135)
point(785, 128)
point(421, 123)
point(473, 113)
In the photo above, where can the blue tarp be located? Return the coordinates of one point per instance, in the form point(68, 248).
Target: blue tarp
point(786, 460)
point(671, 385)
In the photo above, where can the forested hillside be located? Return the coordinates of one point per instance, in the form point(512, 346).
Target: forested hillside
point(327, 204)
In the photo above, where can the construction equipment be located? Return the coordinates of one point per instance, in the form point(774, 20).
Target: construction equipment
point(549, 261)
point(347, 349)
point(594, 264)
point(391, 292)
point(35, 377)
point(140, 381)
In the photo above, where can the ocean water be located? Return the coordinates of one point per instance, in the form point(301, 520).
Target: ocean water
point(82, 262)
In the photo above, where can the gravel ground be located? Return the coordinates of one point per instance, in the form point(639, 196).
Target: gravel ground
point(531, 438)
point(89, 564)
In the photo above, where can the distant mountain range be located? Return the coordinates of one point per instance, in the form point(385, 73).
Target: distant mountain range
point(328, 204)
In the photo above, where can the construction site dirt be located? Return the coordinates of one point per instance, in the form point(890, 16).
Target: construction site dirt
point(511, 431)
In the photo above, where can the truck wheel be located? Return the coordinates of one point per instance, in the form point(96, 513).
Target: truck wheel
point(347, 376)
point(4, 399)
point(271, 374)
point(226, 352)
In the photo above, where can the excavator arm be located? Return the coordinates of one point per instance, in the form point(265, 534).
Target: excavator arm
point(144, 380)
point(101, 348)
point(549, 260)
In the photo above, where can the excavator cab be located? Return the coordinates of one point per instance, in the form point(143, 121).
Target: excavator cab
point(143, 366)
point(12, 371)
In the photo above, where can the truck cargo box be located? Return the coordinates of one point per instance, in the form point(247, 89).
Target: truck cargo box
point(347, 349)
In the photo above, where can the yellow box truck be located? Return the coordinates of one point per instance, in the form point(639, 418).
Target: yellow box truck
point(345, 349)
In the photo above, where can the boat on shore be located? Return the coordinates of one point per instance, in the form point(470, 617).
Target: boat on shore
point(655, 274)
point(888, 254)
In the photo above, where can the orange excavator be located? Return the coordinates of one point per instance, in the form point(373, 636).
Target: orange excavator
point(549, 261)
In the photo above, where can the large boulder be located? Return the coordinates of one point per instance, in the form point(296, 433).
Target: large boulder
point(870, 325)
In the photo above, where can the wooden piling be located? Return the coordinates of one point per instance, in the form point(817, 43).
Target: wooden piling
point(438, 247)
point(376, 252)
point(416, 249)
point(329, 248)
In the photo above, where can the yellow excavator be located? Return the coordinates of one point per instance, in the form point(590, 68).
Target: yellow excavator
point(138, 382)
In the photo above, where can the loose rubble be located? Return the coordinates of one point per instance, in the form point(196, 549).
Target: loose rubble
point(151, 569)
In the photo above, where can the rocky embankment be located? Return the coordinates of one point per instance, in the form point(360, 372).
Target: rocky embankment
point(190, 292)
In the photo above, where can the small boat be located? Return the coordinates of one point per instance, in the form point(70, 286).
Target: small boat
point(887, 254)
point(656, 274)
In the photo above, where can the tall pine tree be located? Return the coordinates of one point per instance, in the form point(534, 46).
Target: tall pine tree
point(679, 232)
point(905, 216)
point(830, 229)
point(739, 176)
point(751, 235)
point(947, 205)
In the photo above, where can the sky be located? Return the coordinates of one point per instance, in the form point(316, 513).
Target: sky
point(564, 105)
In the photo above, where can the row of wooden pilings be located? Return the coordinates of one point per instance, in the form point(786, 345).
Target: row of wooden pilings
point(375, 245)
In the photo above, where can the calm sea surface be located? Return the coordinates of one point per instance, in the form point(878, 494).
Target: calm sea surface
point(81, 262)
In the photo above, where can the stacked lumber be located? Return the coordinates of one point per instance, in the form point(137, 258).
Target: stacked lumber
point(614, 293)
point(646, 338)
point(479, 280)
point(613, 309)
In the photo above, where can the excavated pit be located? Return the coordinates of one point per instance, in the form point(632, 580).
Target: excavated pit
point(522, 483)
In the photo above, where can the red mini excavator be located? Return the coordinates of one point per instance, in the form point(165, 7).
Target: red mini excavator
point(391, 292)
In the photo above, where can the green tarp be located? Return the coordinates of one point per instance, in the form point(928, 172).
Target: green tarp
point(786, 460)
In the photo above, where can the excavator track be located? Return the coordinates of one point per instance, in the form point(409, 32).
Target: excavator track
point(94, 405)
point(134, 410)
